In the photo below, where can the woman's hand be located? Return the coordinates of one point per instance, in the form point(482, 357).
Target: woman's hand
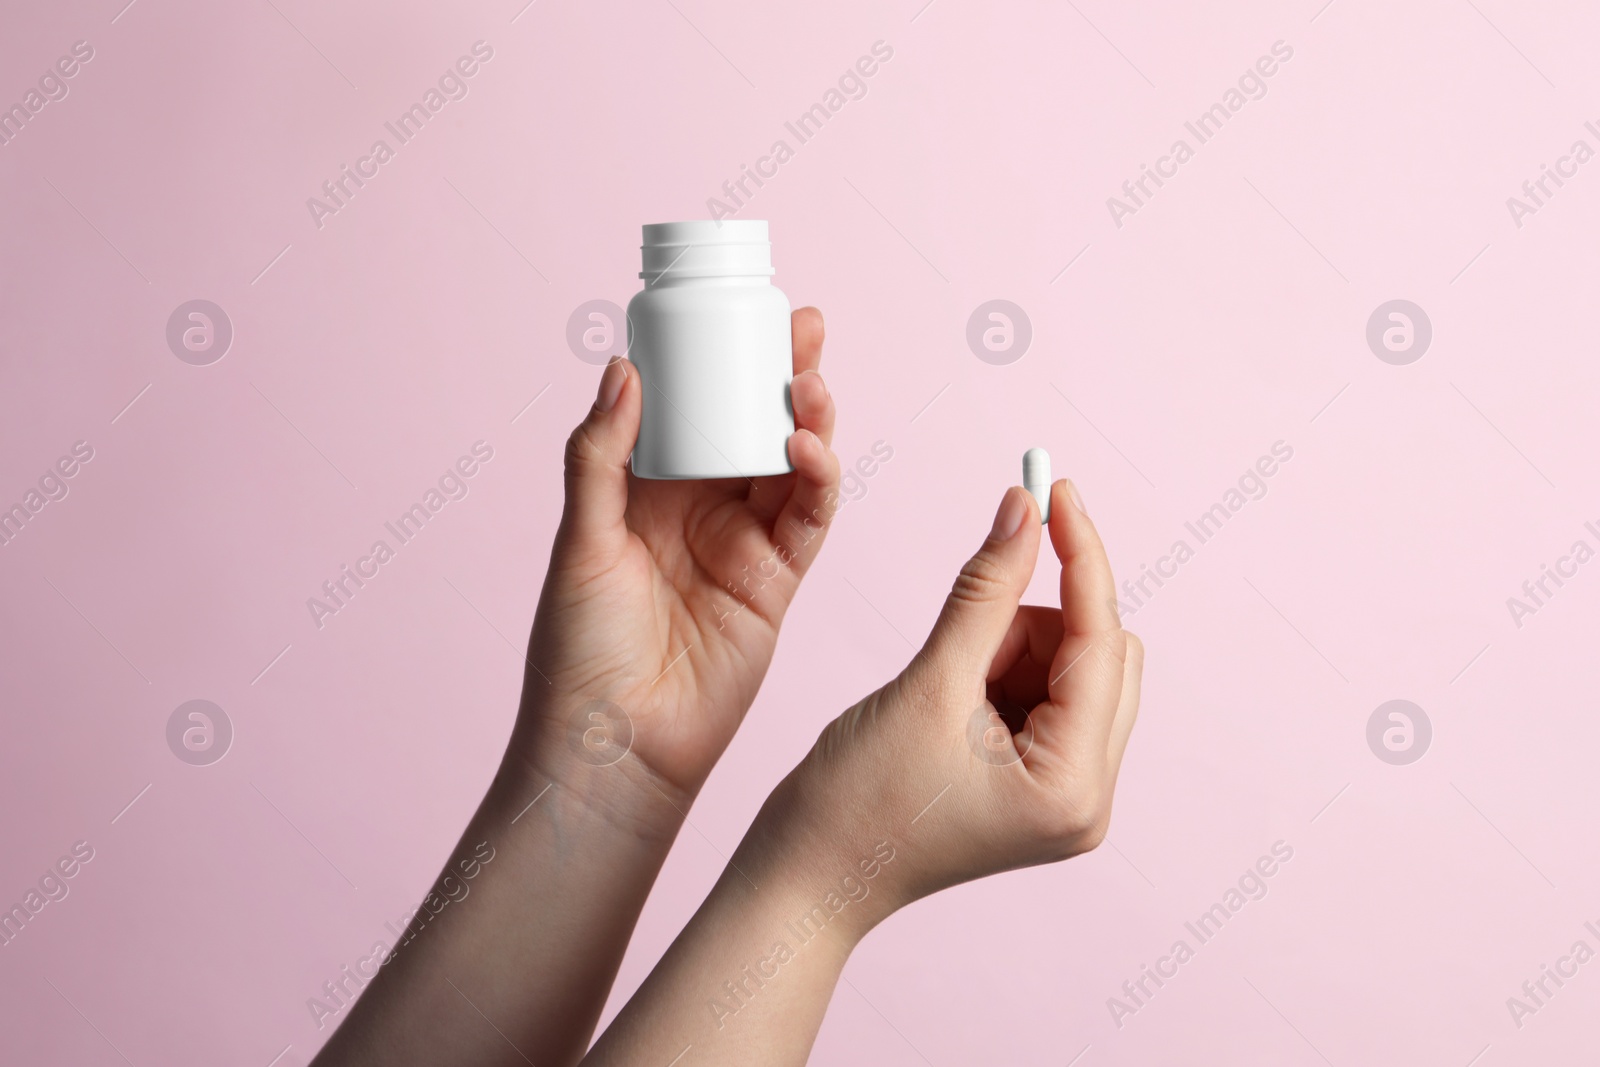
point(999, 745)
point(663, 599)
point(656, 625)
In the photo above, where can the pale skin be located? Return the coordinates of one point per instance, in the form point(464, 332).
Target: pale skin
point(657, 622)
point(916, 788)
point(655, 627)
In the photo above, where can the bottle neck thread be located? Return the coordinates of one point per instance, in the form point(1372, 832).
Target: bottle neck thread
point(678, 252)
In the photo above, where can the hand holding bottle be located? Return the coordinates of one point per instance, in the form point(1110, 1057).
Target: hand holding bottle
point(662, 604)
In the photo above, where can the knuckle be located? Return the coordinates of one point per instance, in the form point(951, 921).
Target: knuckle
point(832, 471)
point(1134, 657)
point(1118, 645)
point(581, 449)
point(930, 681)
point(982, 579)
point(1080, 821)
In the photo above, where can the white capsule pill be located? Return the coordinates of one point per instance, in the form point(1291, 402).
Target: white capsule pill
point(1036, 478)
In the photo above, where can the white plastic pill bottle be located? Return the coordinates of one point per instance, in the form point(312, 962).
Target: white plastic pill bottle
point(710, 335)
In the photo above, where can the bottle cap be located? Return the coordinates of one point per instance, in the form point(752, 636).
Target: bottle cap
point(705, 249)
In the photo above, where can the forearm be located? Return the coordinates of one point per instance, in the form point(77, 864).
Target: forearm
point(518, 968)
point(749, 979)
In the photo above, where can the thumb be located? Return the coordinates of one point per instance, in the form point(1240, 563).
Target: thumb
point(980, 607)
point(596, 464)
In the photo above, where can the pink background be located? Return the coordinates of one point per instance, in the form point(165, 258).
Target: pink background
point(1227, 314)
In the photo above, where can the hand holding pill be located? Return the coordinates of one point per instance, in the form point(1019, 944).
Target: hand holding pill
point(1057, 686)
point(896, 794)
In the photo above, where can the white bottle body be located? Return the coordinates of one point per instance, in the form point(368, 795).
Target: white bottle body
point(715, 357)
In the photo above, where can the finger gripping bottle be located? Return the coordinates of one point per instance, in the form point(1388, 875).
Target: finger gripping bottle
point(710, 335)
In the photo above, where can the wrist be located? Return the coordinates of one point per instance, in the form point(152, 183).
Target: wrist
point(581, 764)
point(830, 867)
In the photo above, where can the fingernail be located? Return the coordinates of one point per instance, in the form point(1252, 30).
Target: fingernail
point(611, 384)
point(1077, 501)
point(1008, 520)
point(815, 375)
